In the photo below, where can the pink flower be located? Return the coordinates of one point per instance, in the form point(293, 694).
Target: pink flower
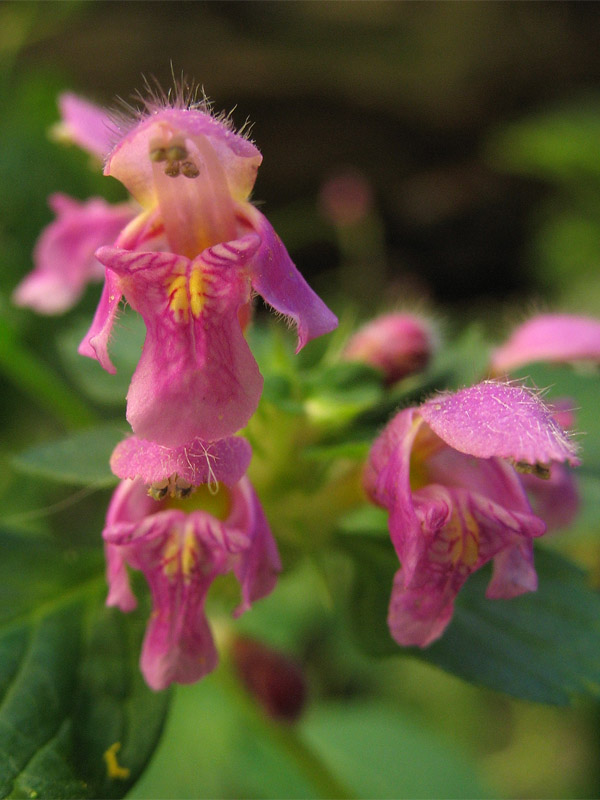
point(448, 472)
point(85, 124)
point(397, 344)
point(64, 254)
point(189, 264)
point(549, 337)
point(181, 552)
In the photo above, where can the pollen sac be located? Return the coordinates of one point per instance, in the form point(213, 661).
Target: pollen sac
point(176, 152)
point(182, 488)
point(539, 470)
point(172, 169)
point(189, 169)
point(158, 154)
point(159, 490)
point(173, 486)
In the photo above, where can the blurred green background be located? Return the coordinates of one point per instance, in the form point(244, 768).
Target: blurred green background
point(475, 129)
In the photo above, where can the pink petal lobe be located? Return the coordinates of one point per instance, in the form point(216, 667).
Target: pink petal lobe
point(549, 337)
point(95, 342)
point(276, 279)
point(259, 565)
point(497, 419)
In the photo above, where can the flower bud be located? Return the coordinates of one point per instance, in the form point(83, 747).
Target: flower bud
point(275, 680)
point(397, 344)
point(346, 198)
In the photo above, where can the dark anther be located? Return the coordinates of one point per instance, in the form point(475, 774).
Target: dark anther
point(176, 152)
point(158, 154)
point(189, 169)
point(172, 169)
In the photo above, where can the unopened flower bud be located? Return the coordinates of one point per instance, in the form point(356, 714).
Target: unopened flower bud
point(274, 679)
point(346, 198)
point(397, 344)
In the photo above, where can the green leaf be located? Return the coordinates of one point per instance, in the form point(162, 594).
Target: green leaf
point(71, 688)
point(560, 144)
point(542, 646)
point(381, 753)
point(336, 394)
point(80, 459)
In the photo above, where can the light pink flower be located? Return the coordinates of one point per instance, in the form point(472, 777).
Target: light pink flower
point(549, 337)
point(398, 344)
point(447, 473)
point(189, 264)
point(85, 124)
point(64, 254)
point(180, 554)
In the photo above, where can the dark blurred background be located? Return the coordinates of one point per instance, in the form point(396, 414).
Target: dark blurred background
point(408, 93)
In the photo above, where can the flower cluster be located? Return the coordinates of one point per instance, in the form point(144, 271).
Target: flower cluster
point(188, 252)
point(467, 478)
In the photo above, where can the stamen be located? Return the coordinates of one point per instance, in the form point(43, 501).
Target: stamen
point(158, 154)
point(172, 169)
point(176, 152)
point(183, 488)
point(173, 486)
point(158, 491)
point(539, 470)
point(189, 169)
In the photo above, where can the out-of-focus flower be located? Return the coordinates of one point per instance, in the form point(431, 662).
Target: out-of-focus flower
point(182, 537)
point(189, 264)
point(84, 124)
point(64, 254)
point(273, 678)
point(448, 472)
point(398, 344)
point(346, 198)
point(556, 338)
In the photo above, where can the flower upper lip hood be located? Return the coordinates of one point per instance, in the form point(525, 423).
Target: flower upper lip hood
point(499, 419)
point(236, 155)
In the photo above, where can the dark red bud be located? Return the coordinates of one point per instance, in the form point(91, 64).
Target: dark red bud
point(274, 679)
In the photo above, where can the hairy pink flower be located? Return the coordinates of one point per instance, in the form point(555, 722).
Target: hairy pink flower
point(398, 344)
point(180, 554)
point(64, 254)
point(448, 472)
point(549, 337)
point(189, 264)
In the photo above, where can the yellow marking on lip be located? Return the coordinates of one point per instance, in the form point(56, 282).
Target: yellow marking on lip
point(181, 555)
point(186, 294)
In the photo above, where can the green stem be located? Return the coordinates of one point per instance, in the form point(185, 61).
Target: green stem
point(36, 379)
point(285, 737)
